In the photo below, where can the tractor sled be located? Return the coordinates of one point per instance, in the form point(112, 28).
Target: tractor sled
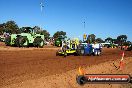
point(68, 48)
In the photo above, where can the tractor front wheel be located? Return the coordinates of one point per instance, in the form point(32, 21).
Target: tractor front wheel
point(39, 42)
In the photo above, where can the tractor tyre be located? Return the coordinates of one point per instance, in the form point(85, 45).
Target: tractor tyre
point(81, 80)
point(17, 42)
point(99, 53)
point(57, 54)
point(23, 42)
point(39, 42)
point(80, 52)
point(96, 53)
point(65, 54)
point(8, 40)
point(75, 54)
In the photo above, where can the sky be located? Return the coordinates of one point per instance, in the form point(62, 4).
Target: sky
point(104, 18)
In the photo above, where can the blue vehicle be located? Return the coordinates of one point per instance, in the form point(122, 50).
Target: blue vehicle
point(88, 49)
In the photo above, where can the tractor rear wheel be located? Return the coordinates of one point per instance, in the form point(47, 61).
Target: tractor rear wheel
point(99, 52)
point(80, 52)
point(8, 40)
point(23, 42)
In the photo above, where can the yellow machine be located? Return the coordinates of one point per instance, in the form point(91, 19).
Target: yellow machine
point(68, 48)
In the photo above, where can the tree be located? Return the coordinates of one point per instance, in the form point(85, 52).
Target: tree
point(37, 29)
point(114, 41)
point(109, 40)
point(46, 34)
point(127, 43)
point(121, 39)
point(99, 40)
point(41, 31)
point(2, 27)
point(11, 26)
point(91, 38)
point(59, 33)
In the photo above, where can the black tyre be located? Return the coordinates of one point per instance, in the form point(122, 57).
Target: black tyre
point(80, 52)
point(38, 42)
point(75, 54)
point(57, 53)
point(99, 52)
point(131, 80)
point(65, 54)
point(81, 80)
point(17, 42)
point(23, 42)
point(95, 53)
point(8, 40)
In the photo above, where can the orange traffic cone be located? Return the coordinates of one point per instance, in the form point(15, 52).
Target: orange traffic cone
point(81, 72)
point(121, 62)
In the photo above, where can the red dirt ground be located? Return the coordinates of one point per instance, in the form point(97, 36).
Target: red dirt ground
point(21, 64)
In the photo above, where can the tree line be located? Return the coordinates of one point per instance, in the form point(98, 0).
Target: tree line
point(12, 27)
point(120, 40)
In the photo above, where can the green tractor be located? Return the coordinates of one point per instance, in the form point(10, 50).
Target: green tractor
point(59, 40)
point(25, 39)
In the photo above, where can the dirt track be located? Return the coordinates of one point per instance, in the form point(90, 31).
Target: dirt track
point(18, 65)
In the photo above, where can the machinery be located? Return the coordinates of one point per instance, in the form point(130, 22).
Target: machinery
point(2, 39)
point(88, 49)
point(129, 48)
point(28, 37)
point(68, 47)
point(72, 47)
point(10, 40)
point(84, 49)
point(110, 45)
point(59, 40)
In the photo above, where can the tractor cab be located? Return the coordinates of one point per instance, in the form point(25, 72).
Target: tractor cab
point(28, 30)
